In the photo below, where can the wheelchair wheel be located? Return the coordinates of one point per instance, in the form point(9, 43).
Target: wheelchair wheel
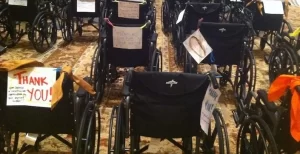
point(7, 30)
point(255, 137)
point(165, 14)
point(87, 132)
point(116, 140)
point(99, 71)
point(67, 24)
point(245, 78)
point(218, 133)
point(282, 61)
point(156, 61)
point(43, 34)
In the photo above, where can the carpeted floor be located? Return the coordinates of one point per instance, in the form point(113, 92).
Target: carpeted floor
point(78, 54)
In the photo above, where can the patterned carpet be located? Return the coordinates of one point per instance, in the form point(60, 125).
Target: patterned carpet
point(78, 54)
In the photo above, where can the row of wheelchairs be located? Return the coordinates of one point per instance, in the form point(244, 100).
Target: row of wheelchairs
point(230, 29)
point(40, 20)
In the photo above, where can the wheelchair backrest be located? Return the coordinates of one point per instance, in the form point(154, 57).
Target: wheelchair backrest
point(128, 57)
point(35, 119)
point(226, 40)
point(24, 13)
point(210, 12)
point(143, 13)
point(166, 104)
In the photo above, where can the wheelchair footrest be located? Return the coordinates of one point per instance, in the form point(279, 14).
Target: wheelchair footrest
point(236, 117)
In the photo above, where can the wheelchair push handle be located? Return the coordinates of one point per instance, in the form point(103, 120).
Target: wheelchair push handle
point(213, 79)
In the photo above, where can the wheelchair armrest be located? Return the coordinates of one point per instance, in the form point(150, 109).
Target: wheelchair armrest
point(81, 92)
point(126, 83)
point(262, 94)
point(213, 79)
point(288, 25)
point(154, 37)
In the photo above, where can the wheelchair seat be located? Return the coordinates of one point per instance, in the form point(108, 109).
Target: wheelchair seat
point(225, 39)
point(166, 104)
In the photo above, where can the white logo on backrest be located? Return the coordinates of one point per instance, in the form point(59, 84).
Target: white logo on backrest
point(204, 7)
point(171, 83)
point(222, 30)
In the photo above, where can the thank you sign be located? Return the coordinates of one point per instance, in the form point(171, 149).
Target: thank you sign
point(30, 87)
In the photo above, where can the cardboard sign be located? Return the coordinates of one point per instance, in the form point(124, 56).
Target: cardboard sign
point(197, 46)
point(127, 37)
point(86, 6)
point(273, 7)
point(128, 10)
point(180, 16)
point(18, 2)
point(30, 87)
point(208, 105)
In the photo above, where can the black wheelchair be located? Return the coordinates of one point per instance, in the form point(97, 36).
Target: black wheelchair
point(278, 119)
point(74, 115)
point(154, 106)
point(210, 12)
point(108, 57)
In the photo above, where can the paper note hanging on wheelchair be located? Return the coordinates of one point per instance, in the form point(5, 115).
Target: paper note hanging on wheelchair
point(180, 16)
point(18, 2)
point(30, 87)
point(197, 46)
point(127, 37)
point(273, 7)
point(86, 6)
point(208, 105)
point(130, 10)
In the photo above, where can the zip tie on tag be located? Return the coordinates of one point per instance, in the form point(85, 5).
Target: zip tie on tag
point(212, 57)
point(148, 22)
point(108, 22)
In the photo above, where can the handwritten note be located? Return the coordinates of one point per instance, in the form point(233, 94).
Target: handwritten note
point(197, 46)
point(18, 2)
point(30, 87)
point(273, 7)
point(86, 6)
point(208, 105)
point(127, 37)
point(130, 10)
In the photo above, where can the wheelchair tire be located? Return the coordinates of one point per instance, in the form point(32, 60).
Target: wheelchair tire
point(264, 135)
point(86, 136)
point(7, 30)
point(245, 78)
point(67, 24)
point(283, 60)
point(165, 11)
point(219, 131)
point(41, 26)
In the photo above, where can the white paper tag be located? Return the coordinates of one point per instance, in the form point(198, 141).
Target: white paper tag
point(86, 6)
point(197, 46)
point(208, 105)
point(273, 7)
point(30, 138)
point(127, 37)
point(30, 87)
point(18, 2)
point(180, 16)
point(130, 10)
point(235, 0)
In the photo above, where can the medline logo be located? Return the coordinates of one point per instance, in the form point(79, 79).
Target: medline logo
point(204, 7)
point(171, 83)
point(222, 30)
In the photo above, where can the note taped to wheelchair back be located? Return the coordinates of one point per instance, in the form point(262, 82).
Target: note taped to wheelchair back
point(130, 10)
point(127, 37)
point(273, 7)
point(197, 46)
point(86, 6)
point(18, 2)
point(30, 87)
point(208, 105)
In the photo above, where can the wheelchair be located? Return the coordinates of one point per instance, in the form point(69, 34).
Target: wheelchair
point(74, 115)
point(89, 14)
point(210, 12)
point(153, 108)
point(108, 57)
point(41, 18)
point(277, 116)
